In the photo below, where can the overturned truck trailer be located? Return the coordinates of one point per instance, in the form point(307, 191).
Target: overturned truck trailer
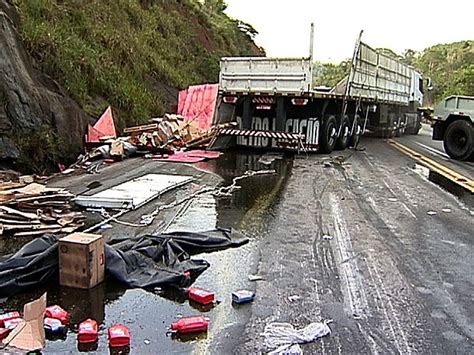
point(275, 105)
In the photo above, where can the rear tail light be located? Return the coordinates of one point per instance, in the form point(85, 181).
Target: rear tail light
point(299, 102)
point(230, 99)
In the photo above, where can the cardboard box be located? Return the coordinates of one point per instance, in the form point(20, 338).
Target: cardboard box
point(81, 260)
point(29, 335)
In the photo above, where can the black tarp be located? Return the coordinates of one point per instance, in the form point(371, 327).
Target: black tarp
point(144, 261)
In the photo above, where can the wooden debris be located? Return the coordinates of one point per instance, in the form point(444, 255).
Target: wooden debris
point(35, 209)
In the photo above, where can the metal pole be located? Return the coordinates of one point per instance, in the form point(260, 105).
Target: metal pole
point(311, 44)
point(349, 80)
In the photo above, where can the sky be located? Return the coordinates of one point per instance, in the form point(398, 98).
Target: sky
point(284, 25)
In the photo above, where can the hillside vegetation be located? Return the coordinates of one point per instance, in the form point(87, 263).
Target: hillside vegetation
point(450, 67)
point(130, 54)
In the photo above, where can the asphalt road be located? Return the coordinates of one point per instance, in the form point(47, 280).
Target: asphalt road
point(372, 245)
point(362, 238)
point(434, 150)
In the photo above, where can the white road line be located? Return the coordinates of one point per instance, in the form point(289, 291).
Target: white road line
point(434, 151)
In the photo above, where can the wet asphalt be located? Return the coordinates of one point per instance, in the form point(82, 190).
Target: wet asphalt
point(351, 238)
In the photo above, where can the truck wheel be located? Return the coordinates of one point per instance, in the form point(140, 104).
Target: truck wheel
point(343, 140)
point(328, 135)
point(459, 140)
point(355, 137)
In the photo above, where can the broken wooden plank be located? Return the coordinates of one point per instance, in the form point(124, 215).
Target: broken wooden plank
point(32, 233)
point(22, 222)
point(140, 129)
point(18, 213)
point(10, 185)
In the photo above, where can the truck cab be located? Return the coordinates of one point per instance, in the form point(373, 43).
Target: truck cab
point(454, 125)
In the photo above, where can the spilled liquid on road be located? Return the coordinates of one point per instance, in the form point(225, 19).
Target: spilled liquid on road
point(148, 314)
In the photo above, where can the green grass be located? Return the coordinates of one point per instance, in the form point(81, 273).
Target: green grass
point(110, 51)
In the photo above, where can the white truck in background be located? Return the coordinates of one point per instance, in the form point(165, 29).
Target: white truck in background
point(454, 125)
point(275, 105)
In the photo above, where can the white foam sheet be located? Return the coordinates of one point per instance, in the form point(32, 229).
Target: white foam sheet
point(134, 193)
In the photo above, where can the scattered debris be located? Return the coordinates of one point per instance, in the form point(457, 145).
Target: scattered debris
point(283, 338)
point(328, 237)
point(88, 332)
point(30, 334)
point(225, 191)
point(188, 325)
point(78, 252)
point(54, 327)
point(294, 298)
point(103, 129)
point(35, 209)
point(242, 296)
point(134, 193)
point(144, 261)
point(269, 158)
point(119, 336)
point(255, 278)
point(56, 312)
point(200, 296)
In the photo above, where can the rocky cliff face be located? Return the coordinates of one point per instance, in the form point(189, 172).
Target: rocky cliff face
point(30, 100)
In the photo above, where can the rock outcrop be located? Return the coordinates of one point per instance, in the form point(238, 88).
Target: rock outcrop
point(28, 98)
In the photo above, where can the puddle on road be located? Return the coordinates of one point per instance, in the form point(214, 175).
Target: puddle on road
point(149, 313)
point(446, 184)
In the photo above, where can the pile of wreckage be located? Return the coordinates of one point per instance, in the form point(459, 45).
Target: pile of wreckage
point(34, 209)
point(192, 127)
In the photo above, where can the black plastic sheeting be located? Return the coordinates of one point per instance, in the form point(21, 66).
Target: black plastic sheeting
point(144, 261)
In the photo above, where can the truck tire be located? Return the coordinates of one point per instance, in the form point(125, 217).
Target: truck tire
point(328, 135)
point(355, 137)
point(459, 140)
point(343, 141)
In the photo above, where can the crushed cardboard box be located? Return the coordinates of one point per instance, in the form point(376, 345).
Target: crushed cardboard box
point(29, 335)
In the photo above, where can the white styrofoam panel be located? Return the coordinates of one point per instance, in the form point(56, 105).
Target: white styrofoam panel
point(134, 193)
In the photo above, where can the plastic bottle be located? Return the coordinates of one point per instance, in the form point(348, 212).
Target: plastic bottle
point(190, 325)
point(12, 323)
point(4, 333)
point(200, 296)
point(88, 332)
point(242, 296)
point(8, 316)
point(119, 336)
point(54, 326)
point(56, 312)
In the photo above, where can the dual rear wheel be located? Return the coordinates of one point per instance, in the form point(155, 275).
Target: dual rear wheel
point(330, 139)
